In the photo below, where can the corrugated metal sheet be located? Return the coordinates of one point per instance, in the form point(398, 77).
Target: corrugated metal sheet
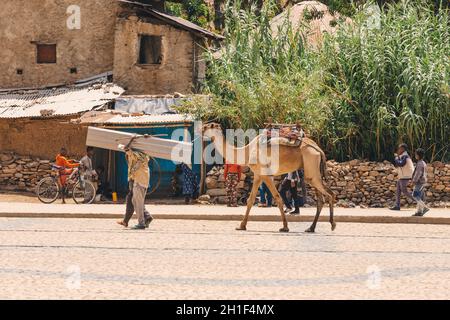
point(113, 118)
point(148, 105)
point(150, 119)
point(56, 101)
point(156, 147)
point(152, 104)
point(175, 21)
point(82, 83)
point(185, 24)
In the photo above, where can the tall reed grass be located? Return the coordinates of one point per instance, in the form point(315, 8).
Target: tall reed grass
point(393, 81)
point(364, 91)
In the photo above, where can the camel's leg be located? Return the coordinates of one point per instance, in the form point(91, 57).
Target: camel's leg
point(331, 204)
point(276, 195)
point(250, 201)
point(319, 196)
point(320, 190)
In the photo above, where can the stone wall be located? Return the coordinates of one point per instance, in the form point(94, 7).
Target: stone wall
point(22, 173)
point(90, 49)
point(174, 74)
point(355, 183)
point(366, 184)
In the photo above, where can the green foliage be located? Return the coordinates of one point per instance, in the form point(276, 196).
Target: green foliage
point(393, 82)
point(175, 9)
point(260, 76)
point(362, 93)
point(196, 11)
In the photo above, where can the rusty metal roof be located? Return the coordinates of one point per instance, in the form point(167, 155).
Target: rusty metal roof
point(153, 104)
point(58, 101)
point(175, 21)
point(111, 117)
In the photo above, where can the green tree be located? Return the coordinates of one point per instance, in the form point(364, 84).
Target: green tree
point(196, 11)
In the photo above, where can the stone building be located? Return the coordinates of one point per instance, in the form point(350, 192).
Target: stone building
point(63, 58)
point(59, 42)
point(50, 48)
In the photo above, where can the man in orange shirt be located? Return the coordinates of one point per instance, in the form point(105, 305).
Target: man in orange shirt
point(67, 165)
point(232, 175)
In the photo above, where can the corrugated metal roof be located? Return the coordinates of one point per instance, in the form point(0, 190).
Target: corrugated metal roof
point(82, 83)
point(177, 21)
point(116, 118)
point(59, 101)
point(152, 104)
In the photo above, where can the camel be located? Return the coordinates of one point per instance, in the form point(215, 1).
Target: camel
point(307, 156)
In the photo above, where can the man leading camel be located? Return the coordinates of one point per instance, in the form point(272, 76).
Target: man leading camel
point(290, 184)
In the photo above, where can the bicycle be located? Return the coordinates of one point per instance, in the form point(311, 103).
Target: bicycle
point(49, 189)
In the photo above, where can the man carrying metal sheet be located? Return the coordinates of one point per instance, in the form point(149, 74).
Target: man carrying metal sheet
point(138, 178)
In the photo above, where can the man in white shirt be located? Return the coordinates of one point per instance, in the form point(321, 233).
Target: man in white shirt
point(87, 169)
point(405, 169)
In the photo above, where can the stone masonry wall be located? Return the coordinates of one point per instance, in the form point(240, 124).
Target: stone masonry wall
point(367, 184)
point(90, 49)
point(174, 74)
point(356, 182)
point(22, 173)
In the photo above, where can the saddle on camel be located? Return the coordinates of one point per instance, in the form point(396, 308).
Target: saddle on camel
point(284, 134)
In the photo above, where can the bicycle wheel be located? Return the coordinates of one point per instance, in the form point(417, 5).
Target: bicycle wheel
point(83, 192)
point(47, 190)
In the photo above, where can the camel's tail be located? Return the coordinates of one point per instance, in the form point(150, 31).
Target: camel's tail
point(323, 165)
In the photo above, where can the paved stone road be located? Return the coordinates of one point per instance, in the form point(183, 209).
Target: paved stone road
point(95, 259)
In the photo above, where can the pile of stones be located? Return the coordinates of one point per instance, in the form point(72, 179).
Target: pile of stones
point(22, 173)
point(355, 183)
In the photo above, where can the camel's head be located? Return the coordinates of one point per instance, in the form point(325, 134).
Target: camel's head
point(212, 131)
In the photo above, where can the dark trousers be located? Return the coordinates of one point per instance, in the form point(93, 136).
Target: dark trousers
point(402, 185)
point(265, 194)
point(129, 210)
point(285, 187)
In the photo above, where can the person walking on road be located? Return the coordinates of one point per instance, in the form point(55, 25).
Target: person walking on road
point(232, 175)
point(290, 184)
point(302, 199)
point(265, 196)
point(138, 180)
point(419, 179)
point(405, 168)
